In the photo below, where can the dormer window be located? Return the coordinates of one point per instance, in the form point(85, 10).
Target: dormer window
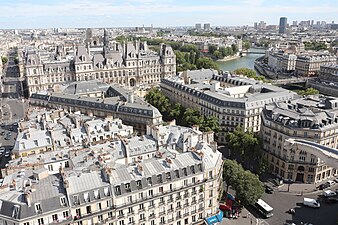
point(38, 208)
point(63, 201)
point(96, 194)
point(106, 191)
point(15, 213)
point(86, 197)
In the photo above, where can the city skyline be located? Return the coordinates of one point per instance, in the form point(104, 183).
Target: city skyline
point(75, 13)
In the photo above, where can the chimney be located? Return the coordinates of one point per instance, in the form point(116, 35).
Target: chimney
point(131, 97)
point(169, 162)
point(140, 169)
point(28, 198)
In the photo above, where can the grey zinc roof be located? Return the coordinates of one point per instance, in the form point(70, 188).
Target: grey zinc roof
point(85, 182)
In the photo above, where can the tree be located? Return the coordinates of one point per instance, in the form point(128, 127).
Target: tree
point(217, 54)
point(231, 173)
point(246, 45)
point(308, 91)
point(241, 142)
point(249, 188)
point(206, 63)
point(210, 123)
point(212, 49)
point(4, 60)
point(234, 48)
point(249, 73)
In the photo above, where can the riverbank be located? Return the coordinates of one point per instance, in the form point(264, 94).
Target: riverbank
point(229, 58)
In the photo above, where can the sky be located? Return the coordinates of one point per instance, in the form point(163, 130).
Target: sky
point(21, 14)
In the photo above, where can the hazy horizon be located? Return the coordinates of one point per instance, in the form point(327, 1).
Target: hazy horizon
point(25, 14)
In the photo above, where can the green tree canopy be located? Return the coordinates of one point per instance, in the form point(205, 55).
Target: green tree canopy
point(249, 189)
point(231, 173)
point(242, 142)
point(212, 49)
point(249, 73)
point(4, 60)
point(206, 63)
point(246, 45)
point(308, 91)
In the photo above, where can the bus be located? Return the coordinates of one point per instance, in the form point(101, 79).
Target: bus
point(264, 208)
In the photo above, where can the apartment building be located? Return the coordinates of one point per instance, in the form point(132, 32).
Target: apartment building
point(329, 73)
point(233, 100)
point(129, 64)
point(313, 119)
point(94, 100)
point(171, 175)
point(281, 61)
point(309, 65)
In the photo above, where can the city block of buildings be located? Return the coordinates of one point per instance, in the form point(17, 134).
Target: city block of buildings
point(129, 64)
point(313, 119)
point(233, 100)
point(95, 171)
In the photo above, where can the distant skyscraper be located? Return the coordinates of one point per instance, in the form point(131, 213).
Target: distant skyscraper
point(255, 25)
point(207, 26)
point(282, 25)
point(294, 23)
point(198, 26)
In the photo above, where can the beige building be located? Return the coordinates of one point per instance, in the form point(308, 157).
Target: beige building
point(314, 119)
point(233, 100)
point(175, 182)
point(329, 73)
point(128, 64)
point(309, 65)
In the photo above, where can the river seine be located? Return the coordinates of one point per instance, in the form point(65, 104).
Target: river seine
point(245, 61)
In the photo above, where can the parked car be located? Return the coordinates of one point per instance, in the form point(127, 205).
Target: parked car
point(330, 182)
point(329, 193)
point(2, 149)
point(336, 180)
point(331, 200)
point(2, 133)
point(323, 186)
point(268, 189)
point(311, 203)
point(7, 154)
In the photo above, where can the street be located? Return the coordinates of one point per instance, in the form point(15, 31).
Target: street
point(12, 110)
point(327, 214)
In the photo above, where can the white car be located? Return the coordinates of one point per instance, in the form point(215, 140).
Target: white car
point(329, 193)
point(330, 182)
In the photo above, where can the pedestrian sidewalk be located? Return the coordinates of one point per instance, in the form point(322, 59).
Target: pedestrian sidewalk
point(299, 189)
point(245, 218)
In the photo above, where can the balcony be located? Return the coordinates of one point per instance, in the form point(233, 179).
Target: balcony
point(201, 200)
point(163, 222)
point(186, 205)
point(186, 195)
point(179, 207)
point(131, 213)
point(193, 211)
point(151, 216)
point(170, 220)
point(185, 214)
point(193, 192)
point(120, 216)
point(151, 206)
point(178, 217)
point(141, 210)
point(161, 203)
point(193, 202)
point(178, 197)
point(201, 209)
point(170, 210)
point(162, 213)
